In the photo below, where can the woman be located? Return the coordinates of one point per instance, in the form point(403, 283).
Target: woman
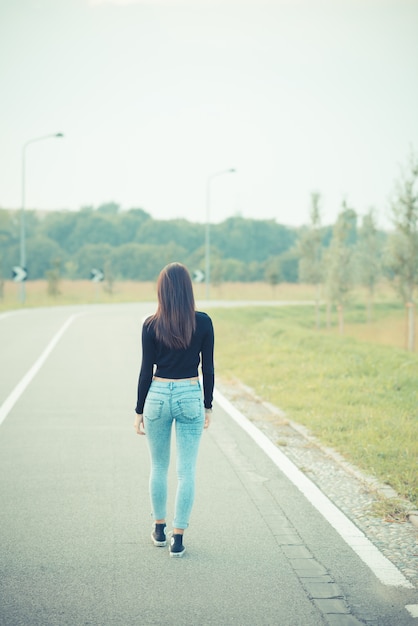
point(175, 339)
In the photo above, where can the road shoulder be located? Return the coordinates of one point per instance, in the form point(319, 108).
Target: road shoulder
point(345, 485)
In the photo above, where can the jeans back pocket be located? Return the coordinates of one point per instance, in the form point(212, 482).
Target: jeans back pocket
point(153, 409)
point(190, 408)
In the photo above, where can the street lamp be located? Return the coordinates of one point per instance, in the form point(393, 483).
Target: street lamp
point(22, 210)
point(207, 232)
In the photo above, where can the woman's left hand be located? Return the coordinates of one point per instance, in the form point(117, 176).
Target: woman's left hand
point(207, 420)
point(139, 424)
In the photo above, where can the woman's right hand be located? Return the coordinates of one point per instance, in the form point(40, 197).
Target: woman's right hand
point(139, 424)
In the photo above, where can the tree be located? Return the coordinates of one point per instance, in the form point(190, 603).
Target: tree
point(109, 208)
point(252, 240)
point(230, 270)
point(144, 261)
point(130, 224)
point(369, 264)
point(310, 254)
point(6, 240)
point(92, 228)
point(289, 266)
point(162, 232)
point(53, 276)
point(59, 227)
point(272, 273)
point(282, 268)
point(340, 276)
point(108, 277)
point(403, 251)
point(42, 254)
point(92, 256)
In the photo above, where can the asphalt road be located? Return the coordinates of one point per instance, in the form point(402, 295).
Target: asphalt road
point(75, 518)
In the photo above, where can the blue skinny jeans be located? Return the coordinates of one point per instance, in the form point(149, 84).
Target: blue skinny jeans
point(180, 402)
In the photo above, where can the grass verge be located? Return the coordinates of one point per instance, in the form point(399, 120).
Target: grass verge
point(358, 397)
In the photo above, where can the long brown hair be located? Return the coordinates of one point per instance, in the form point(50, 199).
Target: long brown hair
point(175, 318)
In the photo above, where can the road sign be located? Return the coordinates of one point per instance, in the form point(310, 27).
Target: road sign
point(96, 275)
point(198, 276)
point(19, 274)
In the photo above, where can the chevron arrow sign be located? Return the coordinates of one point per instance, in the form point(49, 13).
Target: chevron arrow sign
point(19, 274)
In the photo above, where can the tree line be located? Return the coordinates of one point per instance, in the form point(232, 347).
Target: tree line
point(132, 245)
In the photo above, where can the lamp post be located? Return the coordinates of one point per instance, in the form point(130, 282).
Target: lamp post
point(22, 210)
point(207, 231)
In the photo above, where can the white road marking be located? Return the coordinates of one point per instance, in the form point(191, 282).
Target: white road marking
point(11, 400)
point(9, 313)
point(385, 571)
point(413, 609)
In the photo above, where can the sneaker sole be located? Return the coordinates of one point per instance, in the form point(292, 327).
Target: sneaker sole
point(177, 555)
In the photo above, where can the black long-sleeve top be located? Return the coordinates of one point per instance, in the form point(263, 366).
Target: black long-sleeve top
point(179, 363)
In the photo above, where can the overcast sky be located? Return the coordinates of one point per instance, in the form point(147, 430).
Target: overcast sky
point(154, 96)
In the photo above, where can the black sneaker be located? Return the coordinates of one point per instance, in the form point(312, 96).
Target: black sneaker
point(177, 548)
point(158, 535)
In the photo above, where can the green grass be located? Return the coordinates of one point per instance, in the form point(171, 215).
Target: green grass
point(358, 397)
